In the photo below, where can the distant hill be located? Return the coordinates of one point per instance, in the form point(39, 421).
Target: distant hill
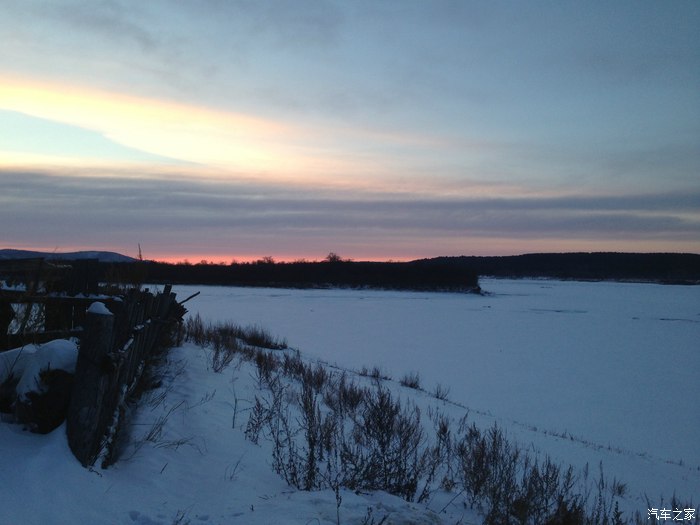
point(107, 257)
point(671, 268)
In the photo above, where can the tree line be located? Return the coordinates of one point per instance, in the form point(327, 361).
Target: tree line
point(670, 268)
point(332, 272)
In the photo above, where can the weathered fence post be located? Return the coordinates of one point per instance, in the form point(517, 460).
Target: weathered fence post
point(92, 379)
point(114, 348)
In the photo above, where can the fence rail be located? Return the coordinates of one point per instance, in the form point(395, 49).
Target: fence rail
point(42, 300)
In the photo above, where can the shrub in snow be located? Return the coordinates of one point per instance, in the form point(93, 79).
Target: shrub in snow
point(44, 410)
point(45, 384)
point(330, 433)
point(60, 354)
point(327, 433)
point(411, 380)
point(228, 340)
point(387, 448)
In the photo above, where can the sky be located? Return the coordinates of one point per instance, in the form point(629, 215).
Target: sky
point(227, 129)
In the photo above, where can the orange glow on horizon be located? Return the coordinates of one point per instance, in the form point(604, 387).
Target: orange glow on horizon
point(443, 247)
point(479, 247)
point(219, 259)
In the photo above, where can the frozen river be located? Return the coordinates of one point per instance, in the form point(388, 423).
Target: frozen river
point(613, 364)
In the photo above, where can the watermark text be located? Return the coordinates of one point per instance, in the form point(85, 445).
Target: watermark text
point(664, 514)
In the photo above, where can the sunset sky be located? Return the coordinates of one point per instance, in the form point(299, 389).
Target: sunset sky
point(225, 129)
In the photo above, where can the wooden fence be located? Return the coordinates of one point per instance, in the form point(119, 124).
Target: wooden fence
point(114, 348)
point(43, 300)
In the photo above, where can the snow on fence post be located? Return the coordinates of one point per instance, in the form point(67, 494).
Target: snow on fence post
point(92, 381)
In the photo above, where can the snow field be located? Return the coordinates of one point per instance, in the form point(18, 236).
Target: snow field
point(578, 371)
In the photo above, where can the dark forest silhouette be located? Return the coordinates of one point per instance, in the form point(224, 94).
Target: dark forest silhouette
point(441, 273)
point(333, 272)
point(668, 268)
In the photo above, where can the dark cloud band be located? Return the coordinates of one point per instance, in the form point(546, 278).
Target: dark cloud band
point(60, 209)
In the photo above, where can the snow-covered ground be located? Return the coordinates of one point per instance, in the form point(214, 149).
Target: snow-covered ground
point(586, 372)
point(188, 462)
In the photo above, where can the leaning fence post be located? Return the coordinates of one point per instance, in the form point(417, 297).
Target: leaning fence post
point(92, 378)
